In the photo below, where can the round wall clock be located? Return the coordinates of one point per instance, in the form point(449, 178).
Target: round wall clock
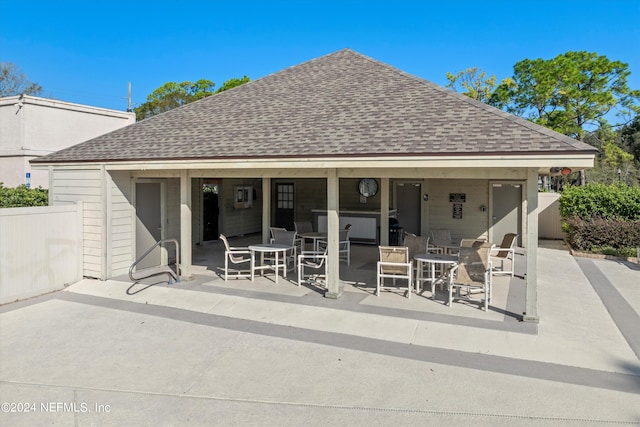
point(368, 187)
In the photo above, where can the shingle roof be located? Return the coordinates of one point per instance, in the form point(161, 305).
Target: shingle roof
point(342, 104)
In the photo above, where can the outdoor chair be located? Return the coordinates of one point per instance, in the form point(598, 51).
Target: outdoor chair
point(282, 236)
point(472, 273)
point(394, 264)
point(239, 256)
point(418, 245)
point(344, 245)
point(441, 237)
point(504, 252)
point(303, 227)
point(315, 260)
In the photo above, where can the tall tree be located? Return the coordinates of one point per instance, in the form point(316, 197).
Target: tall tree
point(171, 95)
point(474, 83)
point(569, 92)
point(14, 82)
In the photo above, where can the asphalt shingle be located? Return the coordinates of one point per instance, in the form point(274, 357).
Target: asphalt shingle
point(342, 104)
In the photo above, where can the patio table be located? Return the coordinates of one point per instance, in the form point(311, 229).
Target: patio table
point(431, 260)
point(314, 236)
point(278, 250)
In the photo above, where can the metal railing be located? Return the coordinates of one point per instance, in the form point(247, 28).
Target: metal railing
point(172, 277)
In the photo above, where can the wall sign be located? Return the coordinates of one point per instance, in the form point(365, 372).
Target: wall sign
point(457, 197)
point(243, 197)
point(457, 211)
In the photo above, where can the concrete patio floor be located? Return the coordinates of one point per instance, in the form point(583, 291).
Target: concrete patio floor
point(206, 352)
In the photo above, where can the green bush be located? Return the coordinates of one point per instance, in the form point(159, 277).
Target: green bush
point(602, 219)
point(603, 201)
point(22, 196)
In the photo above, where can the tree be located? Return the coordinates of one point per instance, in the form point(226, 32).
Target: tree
point(171, 95)
point(569, 92)
point(630, 137)
point(14, 82)
point(474, 82)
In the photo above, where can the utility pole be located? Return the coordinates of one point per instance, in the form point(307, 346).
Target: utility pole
point(129, 99)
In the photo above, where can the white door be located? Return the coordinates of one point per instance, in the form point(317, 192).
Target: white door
point(506, 210)
point(148, 222)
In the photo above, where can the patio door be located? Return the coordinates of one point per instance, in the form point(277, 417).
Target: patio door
point(408, 196)
point(149, 219)
point(506, 210)
point(284, 203)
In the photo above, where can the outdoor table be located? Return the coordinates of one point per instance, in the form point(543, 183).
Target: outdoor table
point(279, 250)
point(314, 236)
point(432, 260)
point(448, 247)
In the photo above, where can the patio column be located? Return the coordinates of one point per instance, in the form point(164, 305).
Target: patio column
point(266, 209)
point(334, 287)
point(185, 225)
point(384, 211)
point(531, 245)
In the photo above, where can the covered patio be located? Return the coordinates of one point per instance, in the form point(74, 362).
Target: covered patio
point(359, 281)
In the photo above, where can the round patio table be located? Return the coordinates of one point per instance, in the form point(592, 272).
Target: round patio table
point(279, 250)
point(432, 260)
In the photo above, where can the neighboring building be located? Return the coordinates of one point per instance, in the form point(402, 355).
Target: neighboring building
point(31, 127)
point(295, 145)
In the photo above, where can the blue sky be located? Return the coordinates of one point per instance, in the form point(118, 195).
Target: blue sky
point(87, 51)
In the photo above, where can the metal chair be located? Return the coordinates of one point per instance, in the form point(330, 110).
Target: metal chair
point(472, 273)
point(311, 259)
point(394, 264)
point(237, 256)
point(344, 245)
point(284, 237)
point(504, 252)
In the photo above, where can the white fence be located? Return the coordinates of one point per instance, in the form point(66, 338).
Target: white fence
point(549, 221)
point(40, 250)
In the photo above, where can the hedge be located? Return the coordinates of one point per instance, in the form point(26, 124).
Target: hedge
point(602, 218)
point(22, 196)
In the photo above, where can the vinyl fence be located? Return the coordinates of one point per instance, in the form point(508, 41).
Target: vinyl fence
point(40, 250)
point(549, 222)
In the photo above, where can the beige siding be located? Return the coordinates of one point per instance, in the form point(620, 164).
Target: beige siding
point(84, 185)
point(238, 222)
point(474, 223)
point(121, 219)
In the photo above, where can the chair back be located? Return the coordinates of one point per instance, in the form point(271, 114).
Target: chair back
point(225, 241)
point(394, 254)
point(303, 227)
point(343, 236)
point(283, 237)
point(274, 230)
point(473, 261)
point(440, 235)
point(416, 244)
point(508, 241)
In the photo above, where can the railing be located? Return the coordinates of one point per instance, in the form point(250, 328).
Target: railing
point(172, 277)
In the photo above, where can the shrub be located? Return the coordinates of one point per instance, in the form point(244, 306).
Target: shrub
point(601, 235)
point(599, 200)
point(22, 196)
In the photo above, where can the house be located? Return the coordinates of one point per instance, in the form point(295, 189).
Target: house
point(31, 127)
point(296, 145)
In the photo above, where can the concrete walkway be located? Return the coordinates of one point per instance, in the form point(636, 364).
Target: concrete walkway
point(103, 353)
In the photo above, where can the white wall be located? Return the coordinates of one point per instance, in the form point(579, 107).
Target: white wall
point(31, 127)
point(549, 220)
point(40, 250)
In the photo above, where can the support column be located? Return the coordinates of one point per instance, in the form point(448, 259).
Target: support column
point(185, 226)
point(334, 286)
point(531, 245)
point(384, 211)
point(266, 209)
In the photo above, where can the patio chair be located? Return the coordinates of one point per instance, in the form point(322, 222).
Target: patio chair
point(504, 252)
point(344, 245)
point(282, 236)
point(394, 264)
point(315, 260)
point(472, 273)
point(441, 237)
point(239, 256)
point(303, 227)
point(418, 245)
